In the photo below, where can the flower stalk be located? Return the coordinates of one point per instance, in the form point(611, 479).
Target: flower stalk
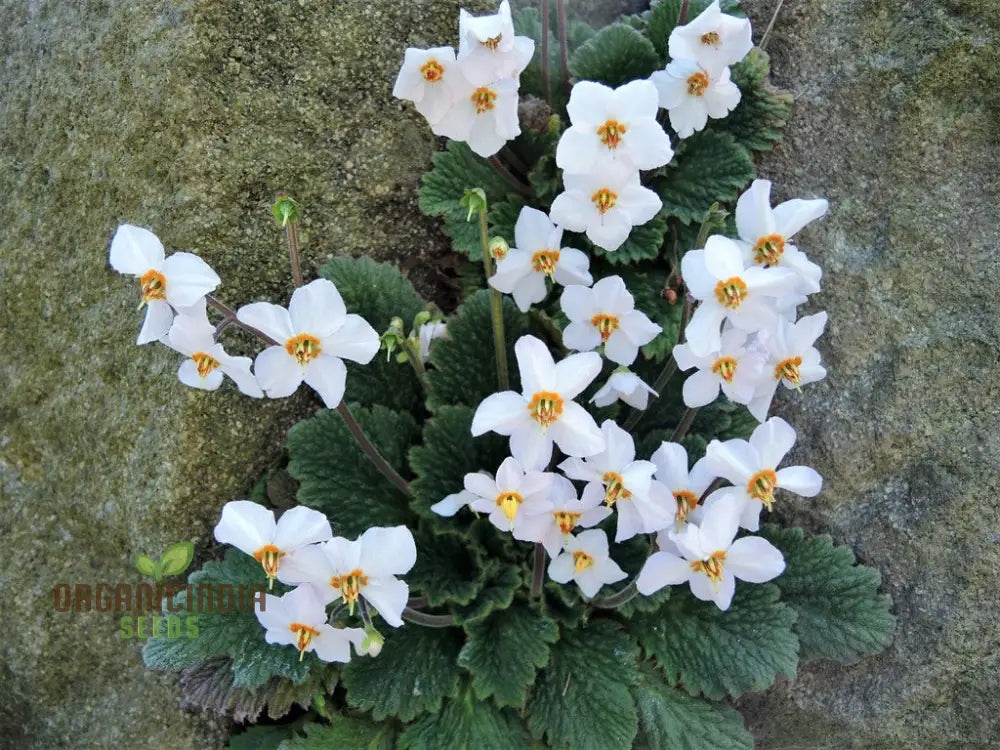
point(496, 304)
point(426, 620)
point(371, 451)
point(563, 47)
point(538, 571)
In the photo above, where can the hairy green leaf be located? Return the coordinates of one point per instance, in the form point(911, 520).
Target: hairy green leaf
point(496, 594)
point(760, 117)
point(466, 724)
point(663, 16)
point(264, 737)
point(347, 732)
point(616, 55)
point(710, 166)
point(448, 569)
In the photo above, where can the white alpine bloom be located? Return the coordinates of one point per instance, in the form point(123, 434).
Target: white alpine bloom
point(766, 233)
point(691, 94)
point(605, 203)
point(177, 282)
point(627, 386)
point(552, 530)
point(483, 116)
point(792, 360)
point(251, 528)
point(713, 39)
point(587, 561)
point(538, 255)
point(707, 558)
point(605, 314)
point(194, 336)
point(366, 567)
point(686, 487)
point(488, 50)
point(734, 369)
point(429, 78)
point(299, 619)
point(545, 412)
point(511, 496)
point(622, 482)
point(716, 277)
point(315, 334)
point(453, 503)
point(617, 124)
point(752, 467)
point(429, 332)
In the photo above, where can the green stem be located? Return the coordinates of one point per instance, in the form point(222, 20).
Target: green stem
point(428, 621)
point(545, 52)
point(496, 306)
point(619, 598)
point(231, 318)
point(684, 425)
point(563, 47)
point(293, 253)
point(538, 571)
point(682, 16)
point(371, 451)
point(413, 356)
point(519, 187)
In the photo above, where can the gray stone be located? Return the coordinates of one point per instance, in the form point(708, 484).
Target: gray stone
point(896, 123)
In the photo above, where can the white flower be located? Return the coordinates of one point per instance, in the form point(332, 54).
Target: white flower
point(606, 314)
point(792, 360)
point(734, 369)
point(707, 558)
point(429, 79)
point(366, 567)
point(691, 94)
point(713, 39)
point(545, 411)
point(453, 503)
point(552, 529)
point(727, 291)
point(488, 49)
point(613, 123)
point(194, 336)
point(484, 116)
point(627, 386)
point(299, 619)
point(586, 560)
point(752, 468)
point(512, 496)
point(251, 529)
point(622, 482)
point(313, 334)
point(605, 203)
point(538, 255)
point(671, 461)
point(176, 282)
point(766, 233)
point(430, 331)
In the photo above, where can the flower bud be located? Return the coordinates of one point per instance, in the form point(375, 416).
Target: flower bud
point(498, 248)
point(372, 644)
point(285, 209)
point(393, 337)
point(475, 200)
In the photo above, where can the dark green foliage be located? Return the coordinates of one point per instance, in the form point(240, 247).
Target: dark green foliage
point(615, 55)
point(466, 724)
point(647, 286)
point(763, 110)
point(448, 569)
point(343, 732)
point(663, 17)
point(497, 594)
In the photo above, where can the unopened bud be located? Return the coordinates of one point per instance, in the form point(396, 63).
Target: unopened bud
point(498, 248)
point(285, 209)
point(372, 644)
point(475, 200)
point(393, 337)
point(420, 318)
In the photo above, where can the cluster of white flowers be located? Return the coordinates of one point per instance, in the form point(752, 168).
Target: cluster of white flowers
point(471, 96)
point(300, 550)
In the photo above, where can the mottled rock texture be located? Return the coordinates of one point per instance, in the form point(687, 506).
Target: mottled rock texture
point(897, 124)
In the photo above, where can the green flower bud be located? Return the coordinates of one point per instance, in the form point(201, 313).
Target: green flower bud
point(285, 209)
point(498, 248)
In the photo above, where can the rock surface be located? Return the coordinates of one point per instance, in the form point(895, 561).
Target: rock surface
point(896, 123)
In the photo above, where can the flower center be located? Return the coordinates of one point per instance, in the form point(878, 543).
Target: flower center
point(790, 370)
point(761, 486)
point(697, 84)
point(432, 71)
point(545, 407)
point(731, 292)
point(614, 488)
point(582, 561)
point(269, 558)
point(509, 502)
point(566, 520)
point(350, 587)
point(492, 43)
point(686, 502)
point(544, 261)
point(768, 250)
point(605, 324)
point(303, 636)
point(154, 286)
point(611, 133)
point(205, 363)
point(604, 199)
point(725, 368)
point(484, 99)
point(711, 39)
point(712, 567)
point(303, 347)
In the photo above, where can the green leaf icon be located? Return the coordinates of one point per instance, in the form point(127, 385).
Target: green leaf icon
point(145, 565)
point(177, 558)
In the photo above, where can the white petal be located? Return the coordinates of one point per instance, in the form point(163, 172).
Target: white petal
point(754, 560)
point(277, 372)
point(300, 526)
point(581, 337)
point(245, 525)
point(387, 550)
point(723, 258)
point(801, 480)
point(500, 412)
point(238, 369)
point(610, 231)
point(573, 268)
point(648, 144)
point(531, 290)
point(188, 374)
point(620, 349)
point(480, 484)
point(662, 569)
point(135, 250)
point(702, 332)
point(578, 148)
point(510, 474)
point(534, 361)
point(698, 280)
point(772, 440)
point(719, 525)
point(156, 325)
point(576, 433)
point(334, 644)
point(572, 210)
point(355, 340)
point(512, 270)
point(639, 203)
point(562, 568)
point(671, 462)
point(188, 279)
point(317, 308)
point(700, 389)
point(531, 446)
point(452, 504)
point(589, 102)
point(328, 377)
point(753, 212)
point(191, 333)
point(791, 216)
point(576, 372)
point(388, 595)
point(267, 318)
point(733, 459)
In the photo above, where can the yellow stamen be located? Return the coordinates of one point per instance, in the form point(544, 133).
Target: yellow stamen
point(545, 407)
point(605, 324)
point(604, 199)
point(303, 636)
point(614, 488)
point(712, 567)
point(686, 502)
point(269, 557)
point(350, 587)
point(432, 71)
point(544, 261)
point(566, 520)
point(154, 286)
point(303, 347)
point(484, 99)
point(761, 486)
point(509, 503)
point(768, 250)
point(492, 43)
point(731, 292)
point(697, 84)
point(205, 363)
point(611, 133)
point(725, 368)
point(711, 39)
point(582, 561)
point(790, 370)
